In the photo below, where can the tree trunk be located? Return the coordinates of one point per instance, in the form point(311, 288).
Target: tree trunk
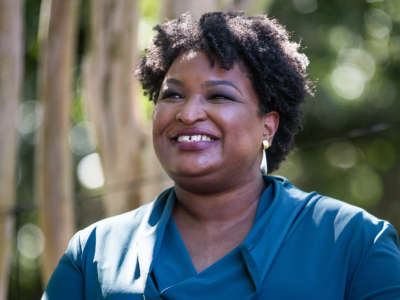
point(109, 87)
point(10, 87)
point(54, 185)
point(156, 180)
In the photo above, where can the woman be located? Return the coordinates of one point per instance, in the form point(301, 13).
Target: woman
point(227, 91)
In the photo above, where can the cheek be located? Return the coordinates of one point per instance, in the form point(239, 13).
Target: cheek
point(244, 126)
point(250, 136)
point(159, 125)
point(161, 118)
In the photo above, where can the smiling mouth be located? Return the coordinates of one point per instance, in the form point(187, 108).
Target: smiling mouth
point(194, 138)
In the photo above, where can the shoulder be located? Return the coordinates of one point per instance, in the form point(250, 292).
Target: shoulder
point(117, 232)
point(336, 219)
point(326, 208)
point(340, 243)
point(122, 223)
point(342, 215)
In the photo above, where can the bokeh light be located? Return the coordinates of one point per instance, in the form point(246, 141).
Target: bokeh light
point(348, 81)
point(30, 115)
point(30, 241)
point(90, 171)
point(366, 186)
point(342, 155)
point(379, 48)
point(359, 58)
point(81, 138)
point(355, 66)
point(305, 6)
point(341, 37)
point(378, 23)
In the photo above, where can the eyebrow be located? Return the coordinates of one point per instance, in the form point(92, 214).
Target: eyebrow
point(220, 82)
point(174, 81)
point(206, 84)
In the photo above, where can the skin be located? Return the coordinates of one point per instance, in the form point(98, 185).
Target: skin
point(218, 183)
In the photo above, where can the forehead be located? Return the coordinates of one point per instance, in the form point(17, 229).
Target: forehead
point(198, 64)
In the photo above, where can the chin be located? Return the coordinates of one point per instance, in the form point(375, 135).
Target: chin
point(191, 167)
point(201, 182)
point(188, 172)
point(197, 184)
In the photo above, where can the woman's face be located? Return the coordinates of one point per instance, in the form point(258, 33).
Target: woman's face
point(206, 123)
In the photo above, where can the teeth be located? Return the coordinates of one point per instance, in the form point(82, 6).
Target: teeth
point(184, 138)
point(194, 138)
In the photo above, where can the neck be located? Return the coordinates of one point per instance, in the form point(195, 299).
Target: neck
point(233, 205)
point(213, 224)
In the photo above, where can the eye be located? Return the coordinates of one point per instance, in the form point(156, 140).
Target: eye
point(170, 95)
point(221, 97)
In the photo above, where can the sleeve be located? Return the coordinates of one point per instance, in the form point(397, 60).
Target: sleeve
point(378, 274)
point(66, 281)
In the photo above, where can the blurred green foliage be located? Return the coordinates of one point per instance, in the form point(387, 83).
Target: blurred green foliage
point(350, 145)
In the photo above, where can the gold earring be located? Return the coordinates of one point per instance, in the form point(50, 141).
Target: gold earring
point(264, 162)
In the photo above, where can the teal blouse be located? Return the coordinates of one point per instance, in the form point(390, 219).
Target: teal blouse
point(301, 246)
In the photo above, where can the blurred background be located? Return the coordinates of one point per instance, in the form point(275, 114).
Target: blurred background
point(75, 143)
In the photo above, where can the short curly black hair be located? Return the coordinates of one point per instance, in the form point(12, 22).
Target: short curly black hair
point(275, 67)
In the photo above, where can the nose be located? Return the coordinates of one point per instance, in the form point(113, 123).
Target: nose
point(191, 111)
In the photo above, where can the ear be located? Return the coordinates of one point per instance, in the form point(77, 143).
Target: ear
point(271, 124)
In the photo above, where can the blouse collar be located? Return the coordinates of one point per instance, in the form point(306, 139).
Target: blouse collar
point(278, 213)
